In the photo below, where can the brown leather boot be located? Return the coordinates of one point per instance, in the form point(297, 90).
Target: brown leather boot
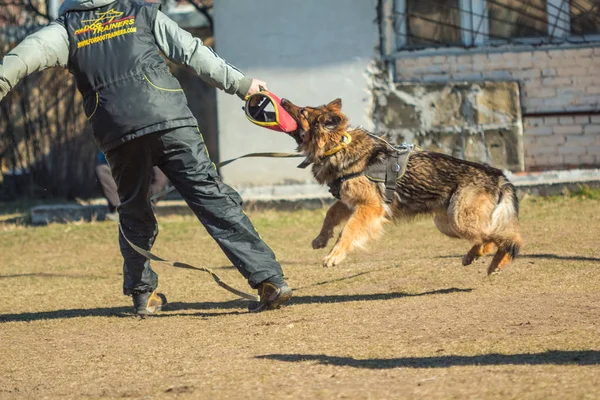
point(148, 303)
point(271, 297)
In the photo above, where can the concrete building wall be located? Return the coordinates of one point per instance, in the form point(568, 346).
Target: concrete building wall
point(309, 51)
point(559, 89)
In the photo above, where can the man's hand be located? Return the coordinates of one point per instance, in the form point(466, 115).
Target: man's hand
point(256, 86)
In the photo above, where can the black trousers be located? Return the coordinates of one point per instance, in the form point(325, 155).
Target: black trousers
point(182, 155)
point(109, 186)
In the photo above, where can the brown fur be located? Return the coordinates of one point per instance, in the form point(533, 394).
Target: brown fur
point(467, 200)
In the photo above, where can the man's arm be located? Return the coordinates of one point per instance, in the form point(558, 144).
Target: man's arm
point(181, 47)
point(48, 47)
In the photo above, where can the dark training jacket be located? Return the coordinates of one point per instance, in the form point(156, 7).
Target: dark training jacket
point(113, 50)
point(127, 88)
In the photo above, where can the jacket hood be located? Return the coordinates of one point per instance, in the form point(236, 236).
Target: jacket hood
point(73, 5)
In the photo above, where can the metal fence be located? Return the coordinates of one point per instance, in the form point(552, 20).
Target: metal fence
point(470, 23)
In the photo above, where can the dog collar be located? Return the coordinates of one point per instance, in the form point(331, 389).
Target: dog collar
point(346, 140)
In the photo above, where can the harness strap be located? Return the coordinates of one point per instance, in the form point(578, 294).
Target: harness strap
point(386, 172)
point(336, 186)
point(392, 172)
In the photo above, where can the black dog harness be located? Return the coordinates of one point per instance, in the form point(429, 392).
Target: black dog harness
point(386, 171)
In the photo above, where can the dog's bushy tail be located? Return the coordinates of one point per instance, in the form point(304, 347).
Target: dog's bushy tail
point(505, 220)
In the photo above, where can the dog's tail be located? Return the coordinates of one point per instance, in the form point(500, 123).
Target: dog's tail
point(505, 220)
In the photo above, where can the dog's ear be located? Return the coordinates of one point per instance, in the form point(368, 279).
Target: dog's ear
point(335, 104)
point(331, 121)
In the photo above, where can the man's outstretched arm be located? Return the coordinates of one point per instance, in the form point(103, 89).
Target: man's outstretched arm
point(181, 47)
point(48, 47)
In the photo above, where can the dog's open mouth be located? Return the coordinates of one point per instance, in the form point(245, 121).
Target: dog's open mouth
point(299, 135)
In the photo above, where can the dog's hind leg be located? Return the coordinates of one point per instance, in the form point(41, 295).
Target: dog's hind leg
point(501, 258)
point(468, 216)
point(504, 228)
point(477, 251)
point(442, 222)
point(366, 222)
point(337, 214)
point(508, 249)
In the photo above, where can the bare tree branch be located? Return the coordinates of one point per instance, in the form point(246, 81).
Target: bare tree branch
point(43, 147)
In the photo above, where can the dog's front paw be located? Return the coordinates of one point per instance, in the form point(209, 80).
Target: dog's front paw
point(468, 259)
point(320, 242)
point(493, 270)
point(333, 259)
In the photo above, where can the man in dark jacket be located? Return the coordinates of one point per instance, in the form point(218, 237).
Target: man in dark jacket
point(140, 119)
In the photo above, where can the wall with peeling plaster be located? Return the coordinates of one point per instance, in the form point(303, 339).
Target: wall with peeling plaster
point(312, 51)
point(559, 92)
point(309, 51)
point(474, 121)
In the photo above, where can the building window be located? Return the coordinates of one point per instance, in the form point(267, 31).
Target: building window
point(432, 23)
point(584, 17)
point(469, 23)
point(511, 19)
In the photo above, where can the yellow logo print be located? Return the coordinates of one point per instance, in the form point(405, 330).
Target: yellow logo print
point(109, 16)
point(105, 22)
point(107, 25)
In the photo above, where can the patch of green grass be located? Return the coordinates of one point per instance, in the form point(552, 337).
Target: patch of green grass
point(24, 204)
point(585, 192)
point(17, 211)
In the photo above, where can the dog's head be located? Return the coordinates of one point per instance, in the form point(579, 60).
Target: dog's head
point(319, 128)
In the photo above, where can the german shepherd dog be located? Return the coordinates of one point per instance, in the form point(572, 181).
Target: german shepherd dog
point(467, 200)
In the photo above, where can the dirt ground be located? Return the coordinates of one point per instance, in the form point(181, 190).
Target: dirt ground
point(403, 319)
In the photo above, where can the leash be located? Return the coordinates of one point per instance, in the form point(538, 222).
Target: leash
point(273, 155)
point(226, 162)
point(169, 189)
point(178, 264)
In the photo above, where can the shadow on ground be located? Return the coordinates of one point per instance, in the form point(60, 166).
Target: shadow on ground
point(345, 278)
point(236, 305)
point(558, 257)
point(551, 357)
point(49, 275)
point(541, 256)
point(368, 297)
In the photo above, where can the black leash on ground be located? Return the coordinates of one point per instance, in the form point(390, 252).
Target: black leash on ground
point(178, 264)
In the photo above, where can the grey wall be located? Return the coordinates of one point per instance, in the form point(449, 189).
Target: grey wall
point(308, 51)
